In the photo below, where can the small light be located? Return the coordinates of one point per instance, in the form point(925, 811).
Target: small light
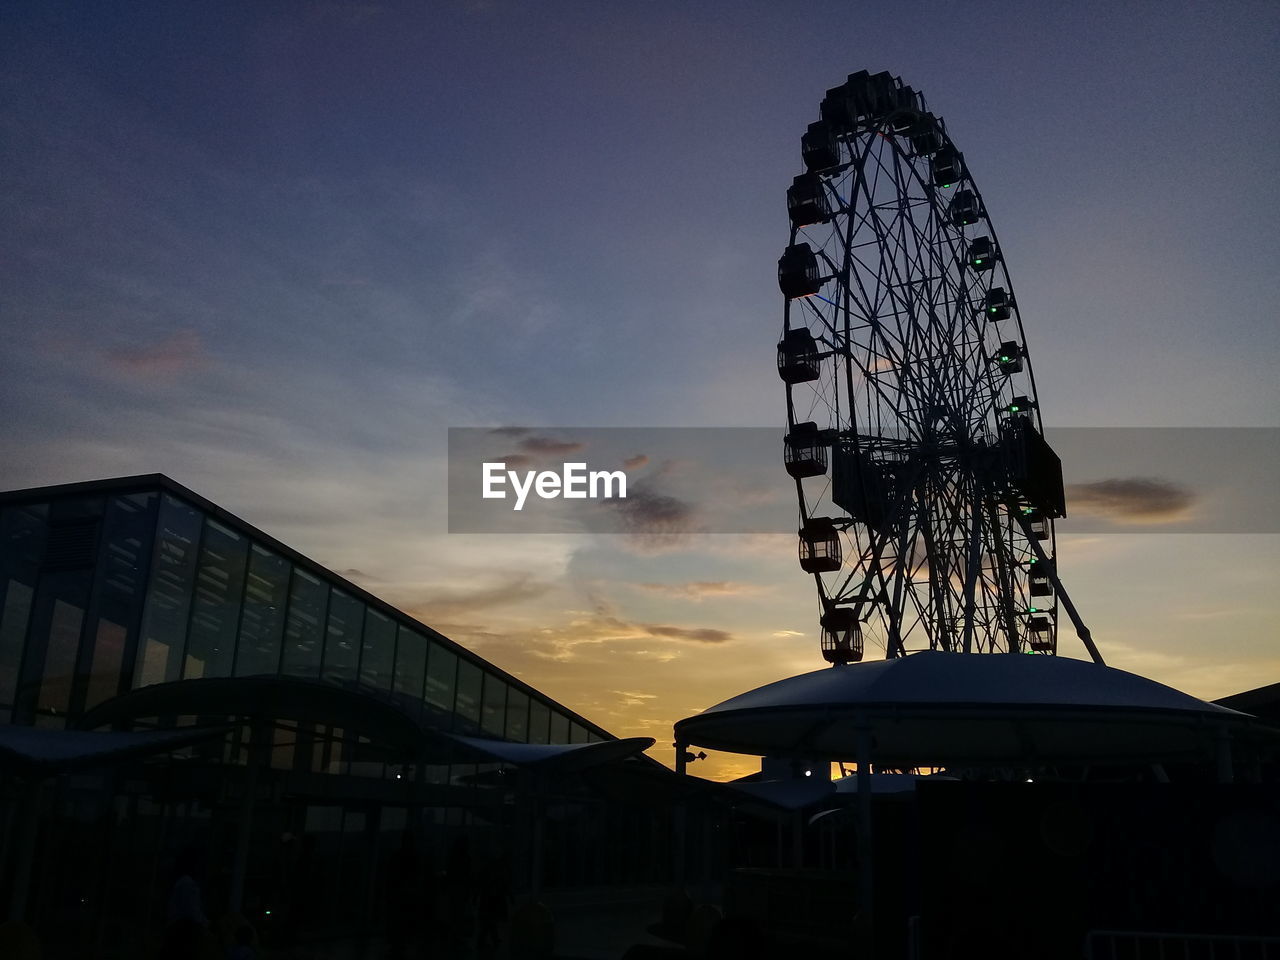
point(266, 913)
point(979, 260)
point(1035, 609)
point(1004, 359)
point(1013, 409)
point(808, 773)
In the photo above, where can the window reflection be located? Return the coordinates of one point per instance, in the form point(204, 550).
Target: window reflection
point(342, 639)
point(468, 709)
point(517, 716)
point(539, 721)
point(262, 618)
point(304, 625)
point(493, 717)
point(164, 622)
point(379, 651)
point(411, 666)
point(559, 728)
point(442, 669)
point(215, 612)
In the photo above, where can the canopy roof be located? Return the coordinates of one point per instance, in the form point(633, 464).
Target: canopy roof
point(30, 751)
point(271, 698)
point(936, 708)
point(554, 757)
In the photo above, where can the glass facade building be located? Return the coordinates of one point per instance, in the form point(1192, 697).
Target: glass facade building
point(134, 604)
point(115, 585)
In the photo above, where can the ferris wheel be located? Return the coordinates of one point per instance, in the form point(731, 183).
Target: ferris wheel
point(926, 490)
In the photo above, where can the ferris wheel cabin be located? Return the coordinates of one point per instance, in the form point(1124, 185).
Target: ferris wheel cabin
point(804, 451)
point(798, 357)
point(841, 636)
point(820, 546)
point(798, 272)
point(807, 201)
point(997, 304)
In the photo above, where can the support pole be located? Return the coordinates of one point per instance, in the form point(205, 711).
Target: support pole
point(866, 875)
point(536, 836)
point(244, 829)
point(680, 826)
point(26, 829)
point(1081, 630)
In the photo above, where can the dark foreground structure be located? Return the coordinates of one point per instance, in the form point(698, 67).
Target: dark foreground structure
point(187, 705)
point(181, 694)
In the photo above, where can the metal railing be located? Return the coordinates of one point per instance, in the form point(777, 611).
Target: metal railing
point(1150, 945)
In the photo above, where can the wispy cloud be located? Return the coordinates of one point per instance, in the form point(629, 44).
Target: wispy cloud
point(179, 352)
point(452, 602)
point(550, 446)
point(1132, 499)
point(701, 589)
point(636, 462)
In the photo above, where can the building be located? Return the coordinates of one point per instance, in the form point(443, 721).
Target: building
point(341, 723)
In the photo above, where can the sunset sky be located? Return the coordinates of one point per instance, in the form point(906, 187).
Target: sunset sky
point(276, 250)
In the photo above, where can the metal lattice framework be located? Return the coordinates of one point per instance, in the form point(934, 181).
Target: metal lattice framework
point(926, 491)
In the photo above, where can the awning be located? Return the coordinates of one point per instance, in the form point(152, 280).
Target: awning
point(271, 698)
point(33, 752)
point(553, 757)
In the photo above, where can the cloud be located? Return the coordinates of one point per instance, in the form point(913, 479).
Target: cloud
point(451, 602)
point(787, 633)
point(1132, 499)
point(699, 589)
point(646, 511)
point(177, 353)
point(511, 431)
point(696, 635)
point(540, 445)
point(514, 460)
point(629, 698)
point(636, 462)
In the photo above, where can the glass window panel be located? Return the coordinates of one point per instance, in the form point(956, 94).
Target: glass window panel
point(539, 721)
point(304, 625)
point(468, 707)
point(215, 610)
point(559, 728)
point(411, 666)
point(164, 620)
point(13, 631)
point(517, 716)
point(442, 670)
point(128, 534)
point(379, 652)
point(107, 657)
point(577, 733)
point(493, 717)
point(122, 561)
point(262, 617)
point(342, 640)
point(60, 657)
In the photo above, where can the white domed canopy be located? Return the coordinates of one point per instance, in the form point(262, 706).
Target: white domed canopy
point(936, 708)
